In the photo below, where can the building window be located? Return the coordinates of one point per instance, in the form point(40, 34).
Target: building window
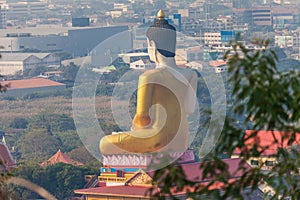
point(254, 162)
point(269, 163)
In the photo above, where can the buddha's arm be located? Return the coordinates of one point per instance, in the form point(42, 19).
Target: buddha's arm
point(144, 102)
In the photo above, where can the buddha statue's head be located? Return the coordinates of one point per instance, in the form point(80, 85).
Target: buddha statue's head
point(161, 37)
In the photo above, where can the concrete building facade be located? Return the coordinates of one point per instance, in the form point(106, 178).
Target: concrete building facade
point(19, 43)
point(10, 64)
point(262, 16)
point(77, 41)
point(212, 38)
point(22, 9)
point(3, 13)
point(19, 88)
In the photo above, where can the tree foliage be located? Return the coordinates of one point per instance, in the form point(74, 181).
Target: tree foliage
point(69, 140)
point(37, 144)
point(59, 179)
point(70, 71)
point(82, 155)
point(19, 123)
point(52, 122)
point(264, 98)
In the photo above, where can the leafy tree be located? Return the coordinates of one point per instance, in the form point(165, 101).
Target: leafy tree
point(82, 155)
point(19, 123)
point(104, 90)
point(59, 179)
point(63, 55)
point(3, 87)
point(52, 122)
point(34, 71)
point(70, 71)
point(115, 75)
point(37, 144)
point(267, 99)
point(69, 140)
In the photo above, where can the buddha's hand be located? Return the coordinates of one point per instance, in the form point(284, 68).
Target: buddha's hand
point(140, 122)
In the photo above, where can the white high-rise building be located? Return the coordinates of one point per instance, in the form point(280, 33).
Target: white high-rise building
point(22, 9)
point(3, 12)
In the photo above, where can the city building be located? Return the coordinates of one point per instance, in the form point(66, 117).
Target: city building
point(142, 64)
point(3, 13)
point(262, 16)
point(188, 54)
point(12, 63)
point(218, 66)
point(19, 88)
point(284, 16)
point(18, 10)
point(82, 41)
point(212, 38)
point(227, 21)
point(77, 41)
point(284, 41)
point(220, 38)
point(241, 4)
point(132, 57)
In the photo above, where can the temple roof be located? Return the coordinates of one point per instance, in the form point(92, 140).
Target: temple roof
point(265, 139)
point(6, 159)
point(140, 188)
point(193, 172)
point(60, 157)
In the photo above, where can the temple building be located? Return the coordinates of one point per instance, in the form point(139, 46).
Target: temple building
point(158, 136)
point(6, 159)
point(60, 157)
point(265, 139)
point(126, 185)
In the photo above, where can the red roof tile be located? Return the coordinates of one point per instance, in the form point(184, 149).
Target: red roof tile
point(193, 171)
point(60, 157)
point(31, 83)
point(6, 158)
point(216, 63)
point(266, 139)
point(142, 191)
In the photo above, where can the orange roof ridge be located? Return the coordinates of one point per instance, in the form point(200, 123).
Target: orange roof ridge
point(60, 157)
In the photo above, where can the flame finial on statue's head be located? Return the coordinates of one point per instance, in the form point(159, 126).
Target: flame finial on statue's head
point(160, 14)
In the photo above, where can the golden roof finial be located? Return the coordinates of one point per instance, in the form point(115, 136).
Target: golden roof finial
point(160, 14)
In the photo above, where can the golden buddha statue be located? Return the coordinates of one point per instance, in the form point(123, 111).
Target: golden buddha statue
point(165, 97)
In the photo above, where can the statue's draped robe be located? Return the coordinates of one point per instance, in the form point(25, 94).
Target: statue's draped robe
point(165, 97)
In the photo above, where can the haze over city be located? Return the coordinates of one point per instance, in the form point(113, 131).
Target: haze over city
point(62, 58)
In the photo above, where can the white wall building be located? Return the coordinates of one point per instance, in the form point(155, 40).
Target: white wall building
point(3, 13)
point(18, 43)
point(12, 63)
point(114, 13)
point(142, 64)
point(284, 41)
point(212, 38)
point(22, 9)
